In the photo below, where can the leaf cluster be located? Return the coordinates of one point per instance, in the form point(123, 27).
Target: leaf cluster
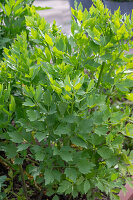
point(12, 20)
point(66, 103)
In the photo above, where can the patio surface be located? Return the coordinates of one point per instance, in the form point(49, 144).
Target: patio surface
point(60, 12)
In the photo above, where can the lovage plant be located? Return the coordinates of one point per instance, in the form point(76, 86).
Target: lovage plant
point(12, 20)
point(66, 105)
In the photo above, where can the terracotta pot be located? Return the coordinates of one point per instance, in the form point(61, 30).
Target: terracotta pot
point(128, 195)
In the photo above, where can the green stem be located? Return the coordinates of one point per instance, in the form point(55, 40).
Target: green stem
point(7, 163)
point(23, 182)
point(72, 104)
point(100, 75)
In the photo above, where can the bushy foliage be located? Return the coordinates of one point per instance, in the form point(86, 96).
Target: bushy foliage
point(12, 20)
point(66, 104)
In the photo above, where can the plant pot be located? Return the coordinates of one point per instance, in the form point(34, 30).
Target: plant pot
point(86, 3)
point(125, 7)
point(128, 195)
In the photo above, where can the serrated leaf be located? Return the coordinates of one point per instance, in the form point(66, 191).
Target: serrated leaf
point(62, 107)
point(79, 142)
point(101, 130)
point(15, 137)
point(71, 173)
point(129, 130)
point(41, 136)
point(66, 156)
point(48, 176)
point(33, 115)
point(85, 166)
point(55, 197)
point(29, 102)
point(96, 139)
point(85, 125)
point(98, 117)
point(105, 152)
point(57, 175)
point(11, 150)
point(40, 156)
point(47, 98)
point(38, 93)
point(2, 180)
point(22, 147)
point(62, 130)
point(80, 180)
point(64, 185)
point(86, 186)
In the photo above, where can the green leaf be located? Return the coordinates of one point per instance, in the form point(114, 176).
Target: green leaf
point(12, 105)
point(60, 45)
point(11, 150)
point(47, 98)
point(116, 117)
point(55, 197)
point(90, 85)
point(62, 130)
point(130, 96)
point(114, 177)
point(71, 173)
point(48, 176)
point(79, 142)
point(62, 107)
point(101, 130)
point(85, 166)
point(107, 56)
point(58, 53)
point(40, 155)
point(129, 130)
point(117, 141)
point(98, 117)
point(66, 156)
point(33, 115)
point(15, 137)
point(2, 180)
point(18, 161)
point(42, 8)
point(96, 139)
point(48, 39)
point(38, 93)
point(105, 152)
point(22, 147)
point(48, 54)
point(29, 103)
point(8, 10)
point(64, 185)
point(57, 175)
point(41, 136)
point(85, 125)
point(86, 186)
